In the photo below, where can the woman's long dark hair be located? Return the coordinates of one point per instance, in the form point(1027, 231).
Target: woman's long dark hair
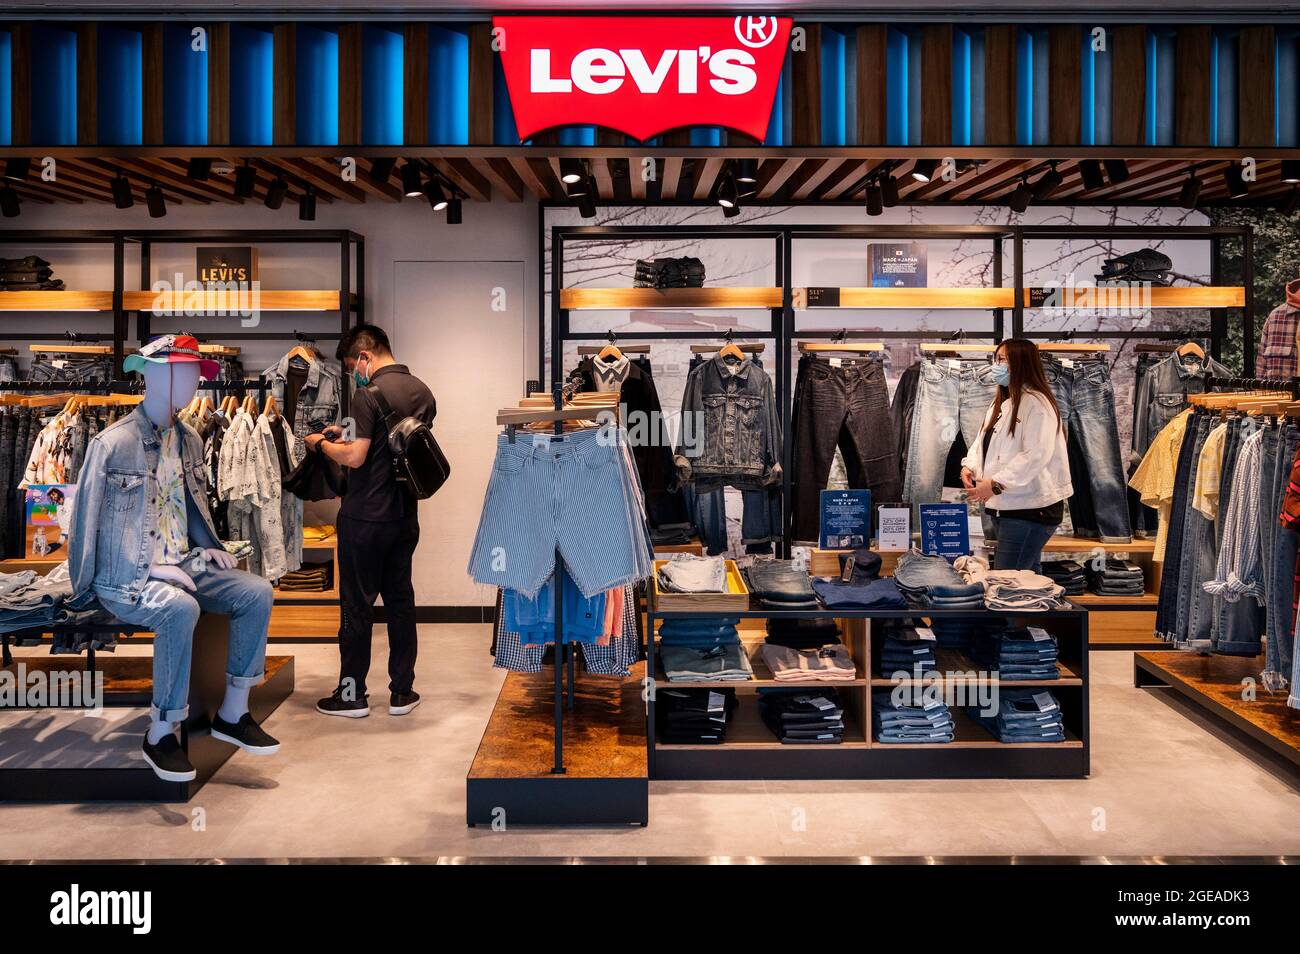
point(1026, 374)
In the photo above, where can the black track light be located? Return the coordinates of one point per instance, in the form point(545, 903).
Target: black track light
point(730, 211)
point(1048, 183)
point(1235, 182)
point(453, 212)
point(9, 204)
point(1291, 203)
point(381, 170)
point(889, 191)
point(587, 203)
point(747, 171)
point(728, 194)
point(436, 195)
point(122, 197)
point(17, 168)
point(275, 193)
point(1116, 170)
point(154, 199)
point(1021, 197)
point(1290, 171)
point(875, 199)
point(307, 206)
point(571, 171)
point(245, 181)
point(575, 189)
point(199, 168)
point(412, 180)
point(923, 171)
point(1190, 193)
point(1091, 174)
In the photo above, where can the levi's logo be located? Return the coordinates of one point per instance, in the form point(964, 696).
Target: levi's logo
point(642, 75)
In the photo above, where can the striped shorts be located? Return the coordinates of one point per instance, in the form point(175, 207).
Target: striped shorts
point(578, 494)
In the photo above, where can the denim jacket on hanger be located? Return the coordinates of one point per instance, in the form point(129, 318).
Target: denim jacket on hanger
point(735, 432)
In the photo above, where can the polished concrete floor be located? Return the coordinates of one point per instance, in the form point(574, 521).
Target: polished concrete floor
point(1163, 783)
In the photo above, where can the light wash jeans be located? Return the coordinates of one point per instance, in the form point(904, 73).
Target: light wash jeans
point(172, 612)
point(949, 401)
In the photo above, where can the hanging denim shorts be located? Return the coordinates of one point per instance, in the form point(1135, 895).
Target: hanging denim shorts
point(575, 493)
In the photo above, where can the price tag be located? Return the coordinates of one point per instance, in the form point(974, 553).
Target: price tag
point(1039, 634)
point(954, 364)
point(923, 632)
point(821, 703)
point(716, 702)
point(837, 362)
point(1067, 363)
point(1045, 702)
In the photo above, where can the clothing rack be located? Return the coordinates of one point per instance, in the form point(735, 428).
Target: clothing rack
point(1254, 384)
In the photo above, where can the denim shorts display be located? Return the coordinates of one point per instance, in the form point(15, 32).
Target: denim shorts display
point(880, 594)
point(780, 584)
point(1086, 401)
point(910, 720)
point(952, 399)
point(694, 575)
point(844, 404)
point(533, 618)
point(1025, 715)
point(613, 659)
point(576, 494)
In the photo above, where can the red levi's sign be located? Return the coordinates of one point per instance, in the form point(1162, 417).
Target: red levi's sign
point(642, 75)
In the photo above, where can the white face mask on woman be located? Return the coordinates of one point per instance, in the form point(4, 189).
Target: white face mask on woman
point(1002, 375)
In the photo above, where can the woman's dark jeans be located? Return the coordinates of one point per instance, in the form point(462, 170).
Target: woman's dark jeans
point(1020, 543)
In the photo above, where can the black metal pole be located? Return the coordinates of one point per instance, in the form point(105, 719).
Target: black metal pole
point(1248, 314)
point(557, 652)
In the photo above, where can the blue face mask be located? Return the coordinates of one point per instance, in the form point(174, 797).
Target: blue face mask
point(1002, 375)
point(361, 379)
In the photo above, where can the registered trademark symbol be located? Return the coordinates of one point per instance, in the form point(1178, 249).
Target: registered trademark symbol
point(755, 32)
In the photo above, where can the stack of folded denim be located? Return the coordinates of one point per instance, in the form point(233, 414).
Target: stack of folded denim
point(802, 716)
point(30, 273)
point(780, 584)
point(1018, 653)
point(932, 581)
point(728, 662)
point(1021, 591)
point(693, 716)
point(699, 632)
point(960, 632)
point(692, 574)
point(1068, 575)
point(827, 664)
point(310, 578)
point(1024, 715)
point(803, 633)
point(909, 719)
point(1117, 578)
point(882, 594)
point(903, 650)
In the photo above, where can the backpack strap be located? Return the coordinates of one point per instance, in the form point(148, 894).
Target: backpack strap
point(385, 409)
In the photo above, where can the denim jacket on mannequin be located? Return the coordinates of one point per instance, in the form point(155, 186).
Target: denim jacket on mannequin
point(115, 512)
point(735, 437)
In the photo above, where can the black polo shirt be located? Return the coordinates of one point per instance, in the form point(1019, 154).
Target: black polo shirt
point(373, 492)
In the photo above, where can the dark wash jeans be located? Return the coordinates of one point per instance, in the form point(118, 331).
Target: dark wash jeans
point(1020, 543)
point(845, 407)
point(375, 560)
point(1167, 608)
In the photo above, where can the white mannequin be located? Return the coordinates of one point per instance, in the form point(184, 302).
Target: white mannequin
point(168, 388)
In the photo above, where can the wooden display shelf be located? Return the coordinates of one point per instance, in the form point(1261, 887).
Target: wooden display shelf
point(1061, 544)
point(763, 677)
point(56, 301)
point(266, 299)
point(1089, 600)
point(969, 734)
point(748, 731)
point(866, 297)
point(606, 299)
point(953, 664)
point(1120, 297)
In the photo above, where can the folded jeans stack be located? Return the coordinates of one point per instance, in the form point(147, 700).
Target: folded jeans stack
point(932, 581)
point(909, 719)
point(882, 594)
point(727, 662)
point(700, 632)
point(692, 574)
point(1021, 591)
point(780, 584)
point(801, 716)
point(1117, 578)
point(1068, 575)
point(962, 632)
point(1025, 715)
point(827, 664)
point(29, 273)
point(311, 578)
point(693, 716)
point(802, 633)
point(904, 650)
point(1018, 653)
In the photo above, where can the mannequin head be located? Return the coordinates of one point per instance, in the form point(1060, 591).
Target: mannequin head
point(168, 388)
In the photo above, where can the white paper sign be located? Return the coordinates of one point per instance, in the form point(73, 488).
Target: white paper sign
point(895, 529)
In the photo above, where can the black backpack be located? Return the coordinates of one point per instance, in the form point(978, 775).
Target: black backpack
point(420, 465)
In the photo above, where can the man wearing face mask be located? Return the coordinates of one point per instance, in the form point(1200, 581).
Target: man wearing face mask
point(378, 525)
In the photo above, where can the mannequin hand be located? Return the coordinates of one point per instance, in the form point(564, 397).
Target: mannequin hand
point(982, 491)
point(968, 478)
point(219, 557)
point(173, 575)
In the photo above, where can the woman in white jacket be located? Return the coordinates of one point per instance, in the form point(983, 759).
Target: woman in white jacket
point(1018, 467)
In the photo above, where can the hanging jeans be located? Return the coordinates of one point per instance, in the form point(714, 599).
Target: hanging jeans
point(1279, 550)
point(1237, 624)
point(1087, 403)
point(844, 406)
point(760, 524)
point(952, 398)
point(1167, 608)
point(1192, 541)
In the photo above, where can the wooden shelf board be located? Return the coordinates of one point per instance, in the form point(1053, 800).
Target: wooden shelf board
point(67, 300)
point(1114, 298)
point(974, 298)
point(1222, 296)
point(575, 299)
point(164, 303)
point(1092, 600)
point(1060, 544)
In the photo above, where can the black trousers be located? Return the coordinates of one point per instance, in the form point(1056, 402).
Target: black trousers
point(374, 561)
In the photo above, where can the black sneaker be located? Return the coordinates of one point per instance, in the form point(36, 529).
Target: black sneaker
point(246, 734)
point(400, 703)
point(335, 705)
point(168, 760)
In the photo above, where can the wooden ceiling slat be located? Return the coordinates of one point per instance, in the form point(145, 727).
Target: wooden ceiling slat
point(550, 181)
point(672, 176)
point(604, 180)
point(502, 177)
point(51, 192)
point(469, 181)
point(823, 170)
point(807, 169)
point(386, 190)
point(324, 174)
point(636, 178)
point(524, 169)
point(843, 178)
point(706, 176)
point(773, 174)
point(28, 192)
point(172, 185)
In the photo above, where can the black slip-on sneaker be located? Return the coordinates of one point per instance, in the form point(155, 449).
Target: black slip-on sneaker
point(335, 705)
point(246, 734)
point(168, 760)
point(402, 703)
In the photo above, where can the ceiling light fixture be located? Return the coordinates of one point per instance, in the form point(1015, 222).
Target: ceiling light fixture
point(747, 171)
point(1116, 170)
point(1019, 200)
point(122, 197)
point(154, 199)
point(412, 180)
point(17, 168)
point(307, 206)
point(436, 194)
point(245, 181)
point(1290, 171)
point(923, 170)
point(889, 191)
point(875, 201)
point(730, 211)
point(454, 212)
point(199, 168)
point(571, 171)
point(1048, 183)
point(381, 170)
point(587, 201)
point(1235, 182)
point(1091, 174)
point(1190, 193)
point(9, 204)
point(275, 193)
point(728, 194)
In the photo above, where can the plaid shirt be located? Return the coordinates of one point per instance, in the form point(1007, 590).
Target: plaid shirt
point(1277, 343)
point(1290, 516)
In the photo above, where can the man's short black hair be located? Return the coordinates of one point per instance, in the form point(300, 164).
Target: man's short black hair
point(370, 338)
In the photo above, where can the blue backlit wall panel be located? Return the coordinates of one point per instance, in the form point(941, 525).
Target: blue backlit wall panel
point(54, 86)
point(318, 86)
point(252, 71)
point(185, 88)
point(382, 78)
